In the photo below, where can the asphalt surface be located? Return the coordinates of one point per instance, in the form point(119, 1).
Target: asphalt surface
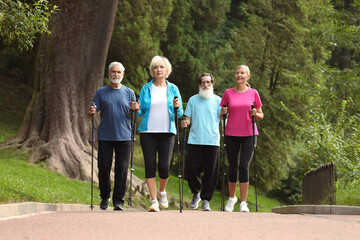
point(170, 224)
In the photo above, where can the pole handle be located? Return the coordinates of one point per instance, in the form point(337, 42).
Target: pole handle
point(225, 115)
point(176, 108)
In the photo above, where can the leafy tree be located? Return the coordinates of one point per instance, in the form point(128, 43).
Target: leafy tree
point(191, 41)
point(20, 22)
point(329, 132)
point(343, 72)
point(139, 28)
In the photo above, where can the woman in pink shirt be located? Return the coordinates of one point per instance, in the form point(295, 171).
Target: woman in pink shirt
point(239, 133)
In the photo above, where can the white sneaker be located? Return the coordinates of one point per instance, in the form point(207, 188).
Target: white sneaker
point(154, 206)
point(230, 204)
point(244, 207)
point(161, 196)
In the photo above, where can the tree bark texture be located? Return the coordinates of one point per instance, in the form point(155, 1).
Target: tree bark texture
point(69, 68)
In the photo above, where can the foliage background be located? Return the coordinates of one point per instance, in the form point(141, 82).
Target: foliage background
point(304, 61)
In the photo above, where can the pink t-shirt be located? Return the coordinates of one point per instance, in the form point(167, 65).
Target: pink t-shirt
point(239, 121)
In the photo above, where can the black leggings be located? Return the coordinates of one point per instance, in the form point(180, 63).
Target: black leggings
point(163, 144)
point(243, 148)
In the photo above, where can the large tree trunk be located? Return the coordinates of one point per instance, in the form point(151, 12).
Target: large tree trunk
point(69, 68)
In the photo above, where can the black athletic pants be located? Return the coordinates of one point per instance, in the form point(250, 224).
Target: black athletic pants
point(202, 158)
point(239, 151)
point(105, 157)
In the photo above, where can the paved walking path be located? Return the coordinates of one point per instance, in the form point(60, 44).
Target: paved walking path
point(131, 224)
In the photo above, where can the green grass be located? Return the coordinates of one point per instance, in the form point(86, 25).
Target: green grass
point(349, 195)
point(21, 181)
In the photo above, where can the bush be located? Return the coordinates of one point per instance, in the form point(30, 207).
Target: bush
point(321, 142)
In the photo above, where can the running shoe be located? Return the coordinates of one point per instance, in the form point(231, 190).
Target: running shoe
point(118, 206)
point(205, 206)
point(230, 204)
point(244, 207)
point(162, 198)
point(154, 206)
point(104, 204)
point(195, 201)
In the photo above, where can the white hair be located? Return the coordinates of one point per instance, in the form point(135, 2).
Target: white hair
point(111, 65)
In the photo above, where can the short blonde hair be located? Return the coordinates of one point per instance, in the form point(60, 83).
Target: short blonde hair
point(155, 60)
point(247, 69)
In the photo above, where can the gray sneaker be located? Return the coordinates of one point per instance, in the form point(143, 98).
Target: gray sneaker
point(195, 201)
point(205, 206)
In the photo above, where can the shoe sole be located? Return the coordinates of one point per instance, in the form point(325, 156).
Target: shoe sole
point(154, 210)
point(206, 209)
point(162, 207)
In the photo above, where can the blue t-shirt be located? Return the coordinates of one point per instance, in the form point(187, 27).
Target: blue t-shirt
point(205, 118)
point(114, 105)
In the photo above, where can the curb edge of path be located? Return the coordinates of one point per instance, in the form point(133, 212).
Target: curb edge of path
point(318, 209)
point(18, 209)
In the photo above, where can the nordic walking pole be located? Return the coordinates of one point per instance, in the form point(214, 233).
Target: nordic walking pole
point(254, 143)
point(178, 153)
point(133, 140)
point(223, 170)
point(92, 157)
point(183, 168)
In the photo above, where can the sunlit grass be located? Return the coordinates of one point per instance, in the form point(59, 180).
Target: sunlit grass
point(21, 181)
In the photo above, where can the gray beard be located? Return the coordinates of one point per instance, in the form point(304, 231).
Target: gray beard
point(206, 93)
point(116, 81)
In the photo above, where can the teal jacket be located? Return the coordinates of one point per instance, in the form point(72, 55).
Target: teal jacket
point(145, 100)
